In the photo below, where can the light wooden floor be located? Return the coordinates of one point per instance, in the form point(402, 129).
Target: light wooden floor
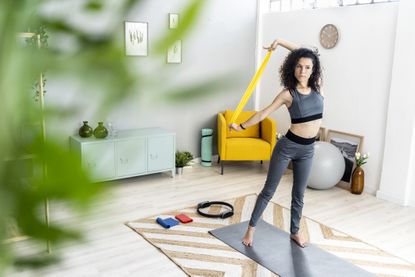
point(112, 249)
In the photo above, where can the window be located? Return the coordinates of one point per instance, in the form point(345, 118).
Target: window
point(309, 4)
point(275, 5)
point(290, 5)
point(285, 6)
point(326, 3)
point(349, 2)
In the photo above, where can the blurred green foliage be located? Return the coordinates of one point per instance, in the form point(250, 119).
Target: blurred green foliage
point(34, 167)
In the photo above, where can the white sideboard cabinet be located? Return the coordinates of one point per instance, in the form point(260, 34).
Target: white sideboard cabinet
point(131, 153)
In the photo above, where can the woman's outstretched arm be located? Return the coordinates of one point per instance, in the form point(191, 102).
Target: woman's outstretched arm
point(282, 98)
point(284, 43)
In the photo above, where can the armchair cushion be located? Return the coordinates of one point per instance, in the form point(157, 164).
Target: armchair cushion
point(247, 149)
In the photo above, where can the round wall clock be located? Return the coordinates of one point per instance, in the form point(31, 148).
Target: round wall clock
point(329, 36)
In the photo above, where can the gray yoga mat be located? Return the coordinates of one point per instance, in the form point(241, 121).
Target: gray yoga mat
point(274, 250)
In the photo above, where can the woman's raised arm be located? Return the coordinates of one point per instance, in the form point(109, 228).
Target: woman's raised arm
point(284, 43)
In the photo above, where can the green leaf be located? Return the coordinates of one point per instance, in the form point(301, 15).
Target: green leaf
point(195, 91)
point(94, 5)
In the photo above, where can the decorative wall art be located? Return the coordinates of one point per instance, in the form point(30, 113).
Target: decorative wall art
point(174, 54)
point(136, 38)
point(348, 144)
point(173, 20)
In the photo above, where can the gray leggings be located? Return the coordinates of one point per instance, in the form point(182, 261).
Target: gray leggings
point(302, 157)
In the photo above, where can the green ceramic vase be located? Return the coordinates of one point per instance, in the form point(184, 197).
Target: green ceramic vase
point(86, 131)
point(100, 131)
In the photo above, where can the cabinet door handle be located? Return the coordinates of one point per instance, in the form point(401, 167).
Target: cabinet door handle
point(154, 156)
point(123, 161)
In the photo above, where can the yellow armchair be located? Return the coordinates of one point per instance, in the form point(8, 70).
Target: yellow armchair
point(254, 143)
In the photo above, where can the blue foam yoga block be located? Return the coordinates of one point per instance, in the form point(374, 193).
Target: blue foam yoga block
point(167, 222)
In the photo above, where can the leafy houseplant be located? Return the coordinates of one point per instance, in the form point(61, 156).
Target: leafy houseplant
point(182, 159)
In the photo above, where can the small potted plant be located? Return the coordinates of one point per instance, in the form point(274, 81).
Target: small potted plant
point(182, 159)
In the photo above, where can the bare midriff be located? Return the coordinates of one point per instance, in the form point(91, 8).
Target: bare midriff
point(306, 129)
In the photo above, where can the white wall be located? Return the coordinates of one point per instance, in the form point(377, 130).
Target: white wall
point(357, 72)
point(411, 172)
point(398, 176)
point(222, 42)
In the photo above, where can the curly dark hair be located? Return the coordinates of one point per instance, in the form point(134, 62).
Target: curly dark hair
point(287, 69)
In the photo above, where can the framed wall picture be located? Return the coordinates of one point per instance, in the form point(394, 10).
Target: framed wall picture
point(173, 20)
point(321, 135)
point(174, 53)
point(348, 144)
point(136, 38)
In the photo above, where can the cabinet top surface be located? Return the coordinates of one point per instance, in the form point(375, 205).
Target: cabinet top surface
point(125, 134)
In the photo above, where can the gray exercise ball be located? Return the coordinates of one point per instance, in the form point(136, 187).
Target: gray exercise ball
point(328, 166)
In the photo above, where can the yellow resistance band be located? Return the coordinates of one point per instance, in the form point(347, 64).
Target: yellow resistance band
point(250, 89)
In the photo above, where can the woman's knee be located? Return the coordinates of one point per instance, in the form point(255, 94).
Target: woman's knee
point(266, 194)
point(297, 201)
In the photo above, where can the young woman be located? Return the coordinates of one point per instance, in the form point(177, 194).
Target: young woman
point(301, 78)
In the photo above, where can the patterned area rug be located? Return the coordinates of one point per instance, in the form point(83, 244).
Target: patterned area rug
point(198, 253)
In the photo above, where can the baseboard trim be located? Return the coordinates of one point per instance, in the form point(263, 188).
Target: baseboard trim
point(198, 160)
point(391, 198)
point(346, 186)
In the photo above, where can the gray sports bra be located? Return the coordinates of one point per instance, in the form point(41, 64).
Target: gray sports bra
point(306, 108)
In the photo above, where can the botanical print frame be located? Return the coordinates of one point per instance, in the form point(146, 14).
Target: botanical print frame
point(348, 144)
point(136, 38)
point(173, 20)
point(174, 53)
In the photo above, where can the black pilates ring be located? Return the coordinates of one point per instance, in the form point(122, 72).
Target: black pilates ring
point(206, 204)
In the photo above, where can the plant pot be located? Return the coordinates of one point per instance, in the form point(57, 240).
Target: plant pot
point(358, 181)
point(179, 170)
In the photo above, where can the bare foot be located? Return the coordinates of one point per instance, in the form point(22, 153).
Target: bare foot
point(249, 236)
point(299, 240)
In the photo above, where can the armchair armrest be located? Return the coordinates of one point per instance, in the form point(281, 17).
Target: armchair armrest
point(269, 131)
point(221, 135)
